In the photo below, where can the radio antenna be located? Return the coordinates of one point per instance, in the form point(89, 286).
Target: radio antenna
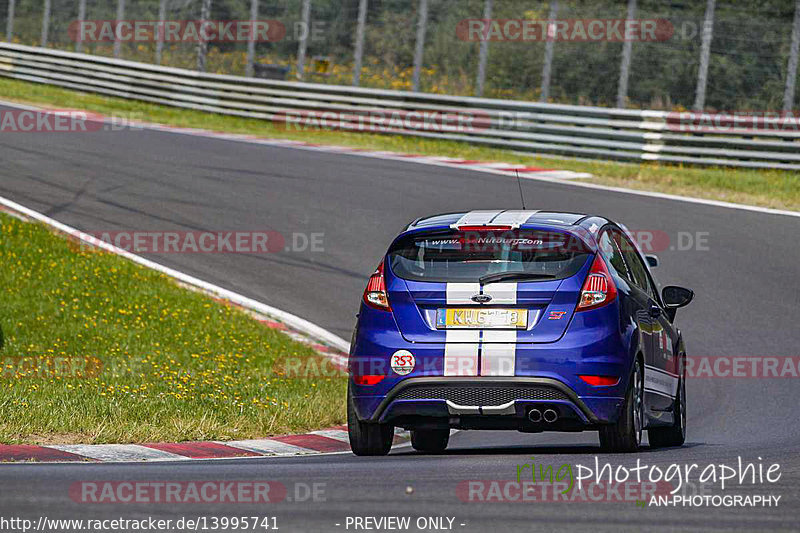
point(519, 184)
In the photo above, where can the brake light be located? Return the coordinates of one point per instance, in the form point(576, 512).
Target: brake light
point(598, 289)
point(375, 294)
point(601, 381)
point(368, 379)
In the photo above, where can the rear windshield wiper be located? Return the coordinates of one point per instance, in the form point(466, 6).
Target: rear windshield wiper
point(502, 276)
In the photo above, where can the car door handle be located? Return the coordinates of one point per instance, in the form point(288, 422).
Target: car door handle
point(655, 311)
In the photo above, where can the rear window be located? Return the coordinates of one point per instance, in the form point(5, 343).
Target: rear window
point(454, 256)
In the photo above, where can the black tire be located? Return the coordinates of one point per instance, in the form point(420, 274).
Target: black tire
point(430, 440)
point(625, 435)
point(674, 435)
point(367, 438)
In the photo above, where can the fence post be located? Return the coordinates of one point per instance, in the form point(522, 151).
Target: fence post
point(45, 23)
point(791, 71)
point(548, 51)
point(202, 44)
point(120, 16)
point(162, 17)
point(359, 53)
point(483, 52)
point(419, 49)
point(81, 19)
point(705, 52)
point(10, 21)
point(251, 43)
point(625, 66)
point(303, 44)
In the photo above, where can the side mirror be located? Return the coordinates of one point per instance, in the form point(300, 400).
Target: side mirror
point(652, 260)
point(675, 297)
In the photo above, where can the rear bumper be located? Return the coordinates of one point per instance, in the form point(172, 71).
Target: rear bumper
point(457, 402)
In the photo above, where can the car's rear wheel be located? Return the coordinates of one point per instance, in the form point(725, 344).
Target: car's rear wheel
point(626, 434)
point(430, 440)
point(367, 438)
point(674, 435)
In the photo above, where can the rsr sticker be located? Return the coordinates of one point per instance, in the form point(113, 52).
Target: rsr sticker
point(402, 362)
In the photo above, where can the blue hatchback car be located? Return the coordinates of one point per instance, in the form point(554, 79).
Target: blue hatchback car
point(521, 320)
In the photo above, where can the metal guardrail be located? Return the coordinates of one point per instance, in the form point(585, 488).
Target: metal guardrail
point(530, 127)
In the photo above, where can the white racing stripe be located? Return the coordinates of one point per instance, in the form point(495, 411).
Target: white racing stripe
point(501, 293)
point(461, 352)
point(495, 349)
point(498, 352)
point(513, 218)
point(475, 218)
point(462, 293)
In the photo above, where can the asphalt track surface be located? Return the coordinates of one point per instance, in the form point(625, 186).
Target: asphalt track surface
point(746, 283)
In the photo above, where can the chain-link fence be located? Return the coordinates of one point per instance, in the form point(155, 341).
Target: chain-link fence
point(715, 55)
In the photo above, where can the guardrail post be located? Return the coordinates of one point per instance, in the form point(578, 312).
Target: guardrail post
point(251, 43)
point(120, 16)
point(303, 44)
point(81, 19)
point(202, 44)
point(483, 52)
point(45, 23)
point(625, 65)
point(162, 16)
point(705, 52)
point(10, 21)
point(548, 51)
point(419, 49)
point(359, 53)
point(791, 70)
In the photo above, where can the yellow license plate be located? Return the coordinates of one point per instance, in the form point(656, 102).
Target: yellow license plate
point(484, 318)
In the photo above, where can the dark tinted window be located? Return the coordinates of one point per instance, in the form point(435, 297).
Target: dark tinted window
point(612, 253)
point(634, 262)
point(465, 257)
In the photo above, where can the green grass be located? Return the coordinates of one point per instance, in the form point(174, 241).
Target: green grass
point(165, 363)
point(769, 188)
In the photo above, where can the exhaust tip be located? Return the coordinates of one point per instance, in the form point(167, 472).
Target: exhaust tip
point(534, 415)
point(550, 416)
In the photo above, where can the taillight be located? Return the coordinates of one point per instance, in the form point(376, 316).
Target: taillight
point(601, 381)
point(375, 293)
point(372, 379)
point(598, 289)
